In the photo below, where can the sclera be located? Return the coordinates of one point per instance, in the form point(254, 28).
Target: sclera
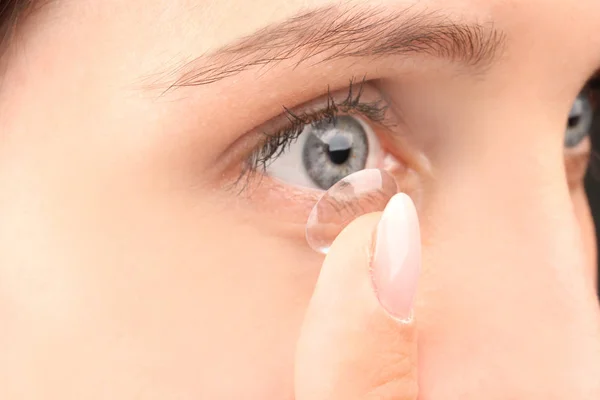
point(360, 193)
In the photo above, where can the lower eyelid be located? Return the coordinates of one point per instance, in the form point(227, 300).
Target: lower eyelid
point(287, 203)
point(577, 161)
point(284, 203)
point(585, 146)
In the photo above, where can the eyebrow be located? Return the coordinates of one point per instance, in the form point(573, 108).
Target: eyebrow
point(331, 33)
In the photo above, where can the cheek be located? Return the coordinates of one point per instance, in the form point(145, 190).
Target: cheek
point(101, 282)
point(251, 306)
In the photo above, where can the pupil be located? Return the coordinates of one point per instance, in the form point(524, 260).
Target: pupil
point(339, 149)
point(340, 156)
point(574, 121)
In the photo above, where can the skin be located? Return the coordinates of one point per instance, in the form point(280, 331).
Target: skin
point(129, 269)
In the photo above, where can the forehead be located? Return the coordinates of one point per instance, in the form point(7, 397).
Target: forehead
point(224, 21)
point(541, 38)
point(564, 32)
point(219, 22)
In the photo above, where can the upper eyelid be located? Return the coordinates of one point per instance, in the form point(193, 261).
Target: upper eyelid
point(370, 92)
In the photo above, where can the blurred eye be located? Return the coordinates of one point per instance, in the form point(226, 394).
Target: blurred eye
point(580, 121)
point(326, 151)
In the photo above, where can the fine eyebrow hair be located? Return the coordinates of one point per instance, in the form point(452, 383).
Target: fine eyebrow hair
point(331, 33)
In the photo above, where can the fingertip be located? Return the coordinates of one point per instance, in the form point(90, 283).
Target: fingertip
point(396, 261)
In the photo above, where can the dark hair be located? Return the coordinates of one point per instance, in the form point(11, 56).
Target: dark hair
point(10, 12)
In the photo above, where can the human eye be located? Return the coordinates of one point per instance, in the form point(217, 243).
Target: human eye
point(580, 131)
point(581, 117)
point(320, 143)
point(326, 151)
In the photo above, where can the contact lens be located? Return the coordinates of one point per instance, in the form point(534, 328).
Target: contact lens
point(362, 192)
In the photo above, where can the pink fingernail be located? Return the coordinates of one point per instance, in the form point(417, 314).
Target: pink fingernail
point(397, 258)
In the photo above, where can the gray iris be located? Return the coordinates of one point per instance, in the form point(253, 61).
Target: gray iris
point(335, 149)
point(580, 121)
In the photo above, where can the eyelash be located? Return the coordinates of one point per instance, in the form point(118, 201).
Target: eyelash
point(276, 144)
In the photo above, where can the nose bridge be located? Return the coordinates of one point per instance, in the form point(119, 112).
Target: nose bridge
point(514, 188)
point(515, 238)
point(507, 275)
point(529, 210)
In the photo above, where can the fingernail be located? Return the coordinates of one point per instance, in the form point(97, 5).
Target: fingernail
point(396, 264)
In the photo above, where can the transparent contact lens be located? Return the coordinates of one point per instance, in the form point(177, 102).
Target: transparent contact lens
point(362, 192)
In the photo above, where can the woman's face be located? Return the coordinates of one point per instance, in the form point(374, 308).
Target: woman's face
point(152, 241)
